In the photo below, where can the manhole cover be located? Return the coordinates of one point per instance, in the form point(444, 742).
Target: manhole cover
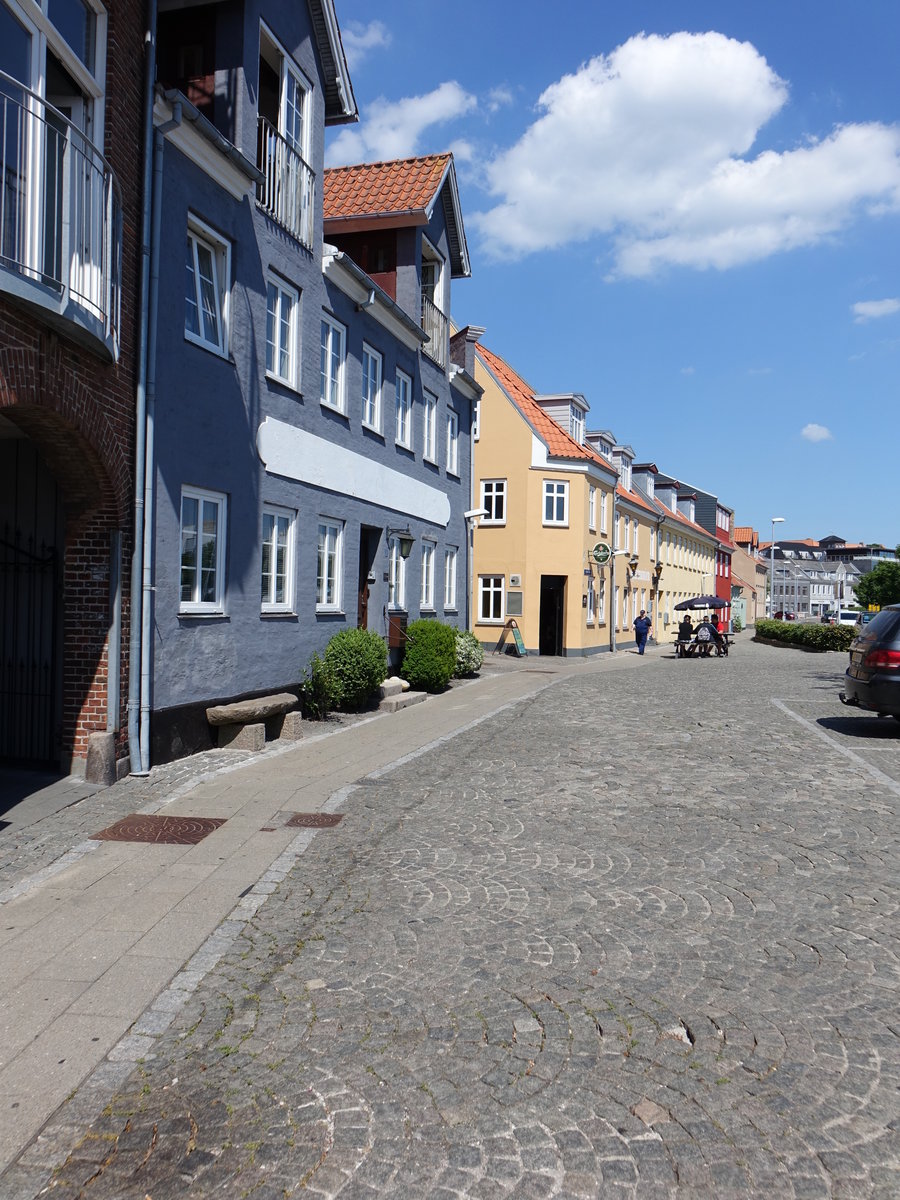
point(317, 820)
point(170, 831)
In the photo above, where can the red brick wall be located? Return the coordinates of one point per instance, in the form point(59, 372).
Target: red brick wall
point(79, 412)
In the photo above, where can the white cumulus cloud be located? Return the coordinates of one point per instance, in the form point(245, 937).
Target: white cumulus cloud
point(359, 40)
point(871, 310)
point(816, 433)
point(647, 146)
point(394, 129)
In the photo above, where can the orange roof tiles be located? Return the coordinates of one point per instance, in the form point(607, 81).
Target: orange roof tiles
point(383, 189)
point(559, 442)
point(744, 533)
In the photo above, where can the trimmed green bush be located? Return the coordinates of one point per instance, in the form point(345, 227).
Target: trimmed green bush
point(356, 661)
point(737, 624)
point(430, 657)
point(469, 654)
point(317, 691)
point(810, 637)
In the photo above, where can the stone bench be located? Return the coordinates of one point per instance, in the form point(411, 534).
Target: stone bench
point(248, 724)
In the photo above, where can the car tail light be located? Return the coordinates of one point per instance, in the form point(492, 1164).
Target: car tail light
point(883, 659)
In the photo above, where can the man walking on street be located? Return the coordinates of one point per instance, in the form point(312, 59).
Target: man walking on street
point(642, 628)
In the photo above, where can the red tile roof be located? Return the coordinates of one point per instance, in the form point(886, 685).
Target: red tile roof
point(559, 442)
point(406, 186)
point(745, 533)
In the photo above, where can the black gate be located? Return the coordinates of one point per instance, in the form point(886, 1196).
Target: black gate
point(29, 591)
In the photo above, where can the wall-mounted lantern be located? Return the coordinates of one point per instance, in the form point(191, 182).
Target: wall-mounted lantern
point(404, 540)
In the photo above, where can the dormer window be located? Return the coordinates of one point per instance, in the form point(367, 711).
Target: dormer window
point(576, 424)
point(286, 193)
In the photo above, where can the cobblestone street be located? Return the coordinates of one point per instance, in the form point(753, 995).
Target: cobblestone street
point(636, 936)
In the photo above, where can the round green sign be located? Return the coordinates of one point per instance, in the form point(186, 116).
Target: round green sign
point(601, 553)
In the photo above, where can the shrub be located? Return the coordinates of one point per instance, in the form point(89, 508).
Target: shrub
point(430, 657)
point(737, 624)
point(810, 637)
point(317, 691)
point(356, 660)
point(469, 654)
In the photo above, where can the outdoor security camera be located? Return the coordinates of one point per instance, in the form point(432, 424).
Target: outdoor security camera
point(474, 513)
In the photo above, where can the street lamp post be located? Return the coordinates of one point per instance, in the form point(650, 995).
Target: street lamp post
point(775, 521)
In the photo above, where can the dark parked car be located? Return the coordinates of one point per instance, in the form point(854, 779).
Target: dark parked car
point(785, 616)
point(872, 680)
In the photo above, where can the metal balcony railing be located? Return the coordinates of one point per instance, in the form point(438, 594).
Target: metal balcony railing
point(60, 211)
point(435, 324)
point(287, 193)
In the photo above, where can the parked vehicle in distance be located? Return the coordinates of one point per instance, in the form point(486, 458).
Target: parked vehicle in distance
point(872, 680)
point(865, 618)
point(785, 616)
point(847, 616)
point(828, 618)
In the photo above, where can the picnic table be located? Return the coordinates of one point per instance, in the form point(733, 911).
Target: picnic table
point(702, 647)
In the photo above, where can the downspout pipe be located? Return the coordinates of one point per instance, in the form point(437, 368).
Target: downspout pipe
point(137, 558)
point(149, 469)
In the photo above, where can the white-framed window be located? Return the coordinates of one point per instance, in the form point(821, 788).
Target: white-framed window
point(476, 420)
point(592, 508)
point(490, 599)
point(590, 603)
point(396, 575)
point(429, 426)
point(452, 442)
point(371, 388)
point(603, 512)
point(634, 536)
point(576, 424)
point(451, 561)
point(333, 365)
point(208, 270)
point(556, 502)
point(627, 532)
point(329, 566)
point(493, 499)
point(284, 93)
point(601, 600)
point(202, 550)
point(277, 559)
point(282, 331)
point(427, 596)
point(403, 395)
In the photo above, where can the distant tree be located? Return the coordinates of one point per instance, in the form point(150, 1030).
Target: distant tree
point(881, 586)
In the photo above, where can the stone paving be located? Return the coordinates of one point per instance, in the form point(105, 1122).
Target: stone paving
point(636, 936)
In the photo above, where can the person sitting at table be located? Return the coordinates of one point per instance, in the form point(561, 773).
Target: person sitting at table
point(685, 628)
point(708, 631)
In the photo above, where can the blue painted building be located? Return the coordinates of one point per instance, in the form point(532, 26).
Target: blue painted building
point(309, 415)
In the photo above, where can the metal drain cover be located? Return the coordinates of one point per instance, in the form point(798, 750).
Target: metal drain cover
point(169, 831)
point(316, 820)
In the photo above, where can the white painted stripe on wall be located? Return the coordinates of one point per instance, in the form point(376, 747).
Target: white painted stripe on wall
point(296, 454)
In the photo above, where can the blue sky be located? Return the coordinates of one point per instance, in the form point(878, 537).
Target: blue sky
point(687, 212)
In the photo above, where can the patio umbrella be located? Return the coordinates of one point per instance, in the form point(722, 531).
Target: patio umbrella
point(702, 602)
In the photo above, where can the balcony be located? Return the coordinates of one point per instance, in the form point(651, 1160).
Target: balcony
point(60, 220)
point(436, 326)
point(287, 192)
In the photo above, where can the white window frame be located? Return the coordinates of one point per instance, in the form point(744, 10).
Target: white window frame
point(329, 579)
point(201, 496)
point(592, 508)
point(288, 72)
point(281, 517)
point(332, 378)
point(603, 512)
point(576, 420)
point(429, 426)
point(556, 490)
point(452, 442)
point(396, 576)
point(489, 588)
point(429, 550)
point(451, 570)
point(493, 496)
point(601, 601)
point(284, 294)
point(199, 234)
point(372, 365)
point(476, 420)
point(403, 408)
point(590, 603)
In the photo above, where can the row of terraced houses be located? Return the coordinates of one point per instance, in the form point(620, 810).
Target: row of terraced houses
point(235, 415)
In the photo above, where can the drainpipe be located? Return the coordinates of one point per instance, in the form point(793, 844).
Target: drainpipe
point(137, 560)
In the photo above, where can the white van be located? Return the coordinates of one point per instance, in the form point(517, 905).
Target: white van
point(847, 616)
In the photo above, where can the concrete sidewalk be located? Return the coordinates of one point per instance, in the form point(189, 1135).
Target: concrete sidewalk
point(99, 952)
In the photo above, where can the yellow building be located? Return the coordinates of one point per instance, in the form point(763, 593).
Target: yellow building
point(548, 498)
